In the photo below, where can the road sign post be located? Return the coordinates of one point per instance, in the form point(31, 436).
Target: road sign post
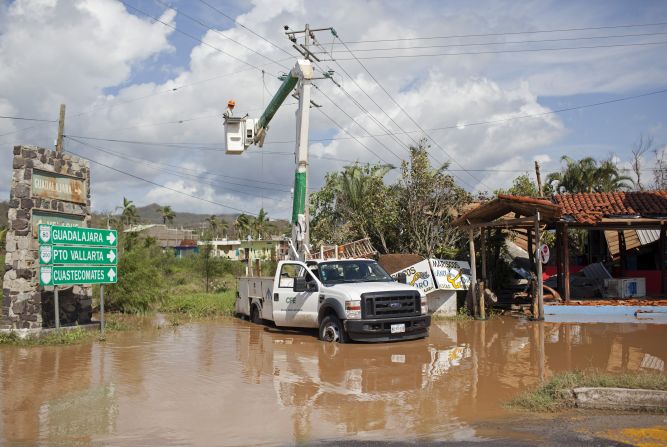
point(74, 255)
point(92, 237)
point(56, 308)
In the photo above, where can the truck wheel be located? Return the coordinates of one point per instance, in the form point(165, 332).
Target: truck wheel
point(254, 315)
point(332, 330)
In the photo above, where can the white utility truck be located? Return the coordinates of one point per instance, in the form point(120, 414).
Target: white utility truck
point(347, 299)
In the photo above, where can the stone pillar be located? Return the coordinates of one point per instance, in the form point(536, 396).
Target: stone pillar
point(27, 305)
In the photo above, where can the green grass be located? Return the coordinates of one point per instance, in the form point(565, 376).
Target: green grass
point(65, 337)
point(115, 322)
point(200, 305)
point(550, 396)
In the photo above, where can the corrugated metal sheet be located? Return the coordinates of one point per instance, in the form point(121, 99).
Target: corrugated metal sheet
point(648, 236)
point(631, 241)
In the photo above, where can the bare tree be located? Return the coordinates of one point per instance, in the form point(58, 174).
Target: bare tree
point(642, 146)
point(660, 169)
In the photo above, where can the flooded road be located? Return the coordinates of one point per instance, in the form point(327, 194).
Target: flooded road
point(230, 382)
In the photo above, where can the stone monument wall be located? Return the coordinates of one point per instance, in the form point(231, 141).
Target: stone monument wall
point(47, 187)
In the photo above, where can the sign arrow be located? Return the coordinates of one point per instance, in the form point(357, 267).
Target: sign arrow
point(111, 238)
point(111, 256)
point(111, 274)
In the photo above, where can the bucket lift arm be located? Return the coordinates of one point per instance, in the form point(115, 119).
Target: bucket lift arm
point(240, 133)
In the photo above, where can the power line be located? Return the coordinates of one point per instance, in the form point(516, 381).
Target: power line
point(510, 33)
point(21, 118)
point(201, 171)
point(187, 145)
point(233, 20)
point(527, 50)
point(497, 43)
point(407, 114)
point(177, 191)
point(190, 36)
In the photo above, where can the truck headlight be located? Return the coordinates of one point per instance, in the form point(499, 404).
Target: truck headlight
point(353, 310)
point(424, 306)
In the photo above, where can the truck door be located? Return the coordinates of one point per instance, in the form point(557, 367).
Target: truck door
point(294, 309)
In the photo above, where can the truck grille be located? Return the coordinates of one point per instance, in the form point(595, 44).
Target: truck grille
point(390, 304)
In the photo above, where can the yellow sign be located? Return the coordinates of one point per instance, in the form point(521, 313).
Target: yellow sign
point(47, 185)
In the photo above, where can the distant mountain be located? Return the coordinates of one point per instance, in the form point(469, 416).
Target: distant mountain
point(149, 214)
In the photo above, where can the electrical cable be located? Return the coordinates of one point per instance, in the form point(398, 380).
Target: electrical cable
point(511, 33)
point(527, 50)
point(409, 116)
point(495, 43)
point(162, 186)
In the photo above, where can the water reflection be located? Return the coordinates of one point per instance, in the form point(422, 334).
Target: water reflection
point(205, 383)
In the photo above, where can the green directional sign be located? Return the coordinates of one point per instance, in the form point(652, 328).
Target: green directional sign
point(69, 255)
point(57, 275)
point(55, 234)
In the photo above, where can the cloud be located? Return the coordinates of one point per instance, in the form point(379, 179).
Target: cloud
point(104, 63)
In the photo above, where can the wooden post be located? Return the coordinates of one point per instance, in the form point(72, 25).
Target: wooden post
point(473, 271)
point(539, 178)
point(661, 259)
point(482, 304)
point(258, 267)
point(566, 264)
point(482, 249)
point(61, 129)
point(538, 264)
point(559, 260)
point(621, 250)
point(531, 253)
point(496, 254)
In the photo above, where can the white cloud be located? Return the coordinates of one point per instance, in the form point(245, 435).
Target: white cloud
point(76, 51)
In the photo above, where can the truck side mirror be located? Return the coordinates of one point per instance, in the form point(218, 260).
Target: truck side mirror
point(402, 278)
point(300, 284)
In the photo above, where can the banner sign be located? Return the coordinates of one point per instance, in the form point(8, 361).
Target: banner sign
point(47, 185)
point(419, 276)
point(451, 275)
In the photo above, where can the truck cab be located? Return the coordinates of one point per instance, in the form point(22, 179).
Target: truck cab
point(346, 299)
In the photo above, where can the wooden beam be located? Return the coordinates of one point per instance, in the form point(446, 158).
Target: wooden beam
point(503, 223)
point(538, 264)
point(482, 249)
point(661, 257)
point(531, 249)
point(473, 271)
point(566, 265)
point(621, 251)
point(559, 259)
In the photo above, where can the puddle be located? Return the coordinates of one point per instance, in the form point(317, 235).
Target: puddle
point(235, 383)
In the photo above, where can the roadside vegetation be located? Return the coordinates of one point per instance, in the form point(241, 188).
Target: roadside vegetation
point(554, 394)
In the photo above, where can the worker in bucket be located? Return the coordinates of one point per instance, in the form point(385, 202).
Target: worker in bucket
point(230, 109)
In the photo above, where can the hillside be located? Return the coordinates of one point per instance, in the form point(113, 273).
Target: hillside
point(149, 215)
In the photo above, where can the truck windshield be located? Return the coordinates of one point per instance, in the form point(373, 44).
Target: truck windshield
point(334, 272)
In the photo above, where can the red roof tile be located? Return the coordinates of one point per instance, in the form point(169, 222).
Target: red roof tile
point(593, 207)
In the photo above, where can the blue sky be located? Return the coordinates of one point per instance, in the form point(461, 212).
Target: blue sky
point(115, 69)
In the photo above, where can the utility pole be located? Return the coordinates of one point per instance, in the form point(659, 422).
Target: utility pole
point(539, 178)
point(61, 129)
point(241, 132)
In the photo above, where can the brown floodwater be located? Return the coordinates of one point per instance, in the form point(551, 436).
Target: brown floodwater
point(230, 382)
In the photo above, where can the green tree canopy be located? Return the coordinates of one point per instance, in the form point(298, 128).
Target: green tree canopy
point(167, 214)
point(587, 175)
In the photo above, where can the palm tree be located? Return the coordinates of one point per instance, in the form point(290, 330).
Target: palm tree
point(242, 224)
point(128, 211)
point(167, 214)
point(260, 222)
point(586, 175)
point(213, 224)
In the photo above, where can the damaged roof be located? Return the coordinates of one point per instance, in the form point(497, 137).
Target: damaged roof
point(591, 208)
point(505, 204)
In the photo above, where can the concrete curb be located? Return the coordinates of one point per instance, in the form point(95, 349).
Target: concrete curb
point(620, 399)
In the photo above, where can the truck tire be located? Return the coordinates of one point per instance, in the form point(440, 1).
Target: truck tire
point(332, 330)
point(254, 315)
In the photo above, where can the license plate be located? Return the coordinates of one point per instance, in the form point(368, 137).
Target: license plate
point(397, 328)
